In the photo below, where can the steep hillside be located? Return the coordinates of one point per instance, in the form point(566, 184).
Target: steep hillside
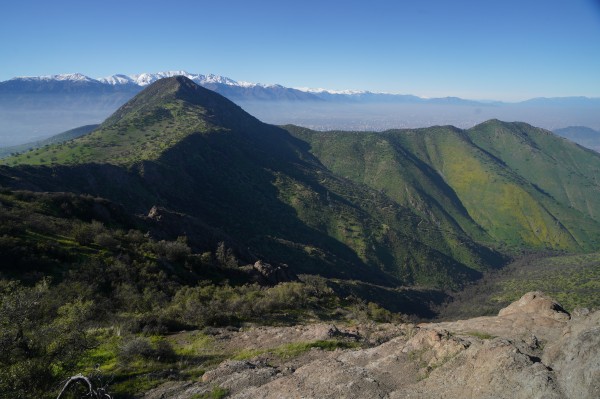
point(562, 170)
point(501, 190)
point(143, 128)
point(190, 150)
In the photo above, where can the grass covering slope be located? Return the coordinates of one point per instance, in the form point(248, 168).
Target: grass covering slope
point(563, 170)
point(447, 178)
point(438, 217)
point(140, 130)
point(207, 158)
point(495, 198)
point(58, 138)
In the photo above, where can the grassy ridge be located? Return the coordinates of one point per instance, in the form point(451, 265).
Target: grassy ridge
point(369, 158)
point(59, 138)
point(561, 169)
point(479, 182)
point(142, 135)
point(419, 206)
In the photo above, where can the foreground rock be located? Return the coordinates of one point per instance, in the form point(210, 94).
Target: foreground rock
point(532, 349)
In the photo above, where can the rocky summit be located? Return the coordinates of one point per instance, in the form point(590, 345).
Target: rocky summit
point(531, 349)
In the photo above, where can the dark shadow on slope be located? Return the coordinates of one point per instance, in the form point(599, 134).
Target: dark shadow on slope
point(227, 180)
point(419, 303)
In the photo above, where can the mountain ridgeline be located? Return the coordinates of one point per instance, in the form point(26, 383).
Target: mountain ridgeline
point(507, 184)
point(430, 207)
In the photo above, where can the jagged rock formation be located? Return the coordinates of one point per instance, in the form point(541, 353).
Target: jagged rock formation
point(532, 349)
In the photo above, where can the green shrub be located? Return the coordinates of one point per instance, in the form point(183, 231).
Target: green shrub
point(142, 348)
point(106, 240)
point(174, 251)
point(85, 233)
point(136, 347)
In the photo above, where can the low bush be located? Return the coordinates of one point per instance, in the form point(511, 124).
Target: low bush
point(142, 348)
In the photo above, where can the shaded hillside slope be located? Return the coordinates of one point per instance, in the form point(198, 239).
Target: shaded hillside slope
point(190, 150)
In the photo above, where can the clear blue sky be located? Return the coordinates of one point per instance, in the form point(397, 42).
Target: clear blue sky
point(507, 50)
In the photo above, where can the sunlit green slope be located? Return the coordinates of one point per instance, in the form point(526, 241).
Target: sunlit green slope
point(488, 185)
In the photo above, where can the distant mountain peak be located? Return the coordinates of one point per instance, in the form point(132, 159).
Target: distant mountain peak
point(145, 79)
point(75, 77)
point(181, 87)
point(117, 80)
point(328, 91)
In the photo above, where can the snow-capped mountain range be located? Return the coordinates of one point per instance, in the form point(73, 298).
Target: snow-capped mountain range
point(74, 77)
point(79, 84)
point(246, 91)
point(145, 79)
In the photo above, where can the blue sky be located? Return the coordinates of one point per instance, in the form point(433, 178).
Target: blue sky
point(506, 50)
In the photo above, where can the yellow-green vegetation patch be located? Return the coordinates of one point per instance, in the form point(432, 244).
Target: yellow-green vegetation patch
point(192, 343)
point(103, 357)
point(295, 349)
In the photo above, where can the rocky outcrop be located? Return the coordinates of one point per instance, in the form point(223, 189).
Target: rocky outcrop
point(532, 349)
point(535, 316)
point(165, 224)
point(234, 375)
point(536, 304)
point(576, 356)
point(269, 274)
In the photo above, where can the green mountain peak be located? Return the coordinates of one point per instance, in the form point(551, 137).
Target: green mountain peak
point(153, 121)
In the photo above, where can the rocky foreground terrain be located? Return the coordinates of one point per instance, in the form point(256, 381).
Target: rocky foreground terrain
point(532, 349)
